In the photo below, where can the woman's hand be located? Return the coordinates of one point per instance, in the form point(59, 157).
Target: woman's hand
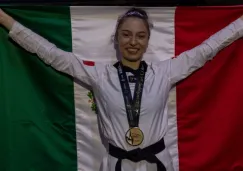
point(6, 20)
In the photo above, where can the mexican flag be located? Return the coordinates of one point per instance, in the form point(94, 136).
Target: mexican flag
point(48, 120)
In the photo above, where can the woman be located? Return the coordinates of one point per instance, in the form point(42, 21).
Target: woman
point(133, 124)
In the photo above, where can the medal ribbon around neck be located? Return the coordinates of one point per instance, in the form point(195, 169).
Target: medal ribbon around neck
point(134, 135)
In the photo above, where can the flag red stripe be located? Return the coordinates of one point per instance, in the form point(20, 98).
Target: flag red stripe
point(210, 101)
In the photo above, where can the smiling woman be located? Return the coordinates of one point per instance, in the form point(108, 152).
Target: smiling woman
point(132, 36)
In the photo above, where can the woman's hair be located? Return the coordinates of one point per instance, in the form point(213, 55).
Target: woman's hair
point(137, 13)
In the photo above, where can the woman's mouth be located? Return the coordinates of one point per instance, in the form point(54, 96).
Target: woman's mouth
point(132, 50)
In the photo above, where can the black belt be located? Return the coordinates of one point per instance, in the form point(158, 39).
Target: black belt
point(136, 155)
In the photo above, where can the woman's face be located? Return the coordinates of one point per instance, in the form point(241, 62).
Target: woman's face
point(133, 37)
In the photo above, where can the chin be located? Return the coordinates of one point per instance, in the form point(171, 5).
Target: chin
point(133, 58)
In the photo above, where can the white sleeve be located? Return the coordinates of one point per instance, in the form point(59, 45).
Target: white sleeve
point(191, 60)
point(60, 60)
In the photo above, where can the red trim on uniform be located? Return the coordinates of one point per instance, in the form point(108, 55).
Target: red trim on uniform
point(89, 63)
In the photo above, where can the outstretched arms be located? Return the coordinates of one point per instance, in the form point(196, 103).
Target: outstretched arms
point(191, 60)
point(60, 60)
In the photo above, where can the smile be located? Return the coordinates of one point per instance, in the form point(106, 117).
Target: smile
point(132, 50)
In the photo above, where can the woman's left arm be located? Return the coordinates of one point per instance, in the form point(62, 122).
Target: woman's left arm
point(191, 60)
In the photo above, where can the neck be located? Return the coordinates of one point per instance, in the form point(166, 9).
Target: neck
point(133, 65)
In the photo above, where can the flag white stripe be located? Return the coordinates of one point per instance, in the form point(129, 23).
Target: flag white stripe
point(171, 138)
point(92, 30)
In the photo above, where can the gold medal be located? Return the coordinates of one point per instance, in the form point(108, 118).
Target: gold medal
point(134, 136)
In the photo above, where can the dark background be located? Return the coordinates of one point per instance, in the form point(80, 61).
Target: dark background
point(126, 2)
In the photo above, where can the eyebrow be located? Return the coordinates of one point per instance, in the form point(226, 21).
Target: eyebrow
point(138, 32)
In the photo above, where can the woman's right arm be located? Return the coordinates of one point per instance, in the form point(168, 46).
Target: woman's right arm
point(60, 60)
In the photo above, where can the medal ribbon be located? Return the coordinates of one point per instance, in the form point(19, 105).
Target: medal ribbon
point(132, 104)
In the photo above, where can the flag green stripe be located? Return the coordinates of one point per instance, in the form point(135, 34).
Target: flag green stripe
point(37, 116)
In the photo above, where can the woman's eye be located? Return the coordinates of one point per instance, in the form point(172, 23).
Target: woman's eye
point(125, 35)
point(141, 36)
